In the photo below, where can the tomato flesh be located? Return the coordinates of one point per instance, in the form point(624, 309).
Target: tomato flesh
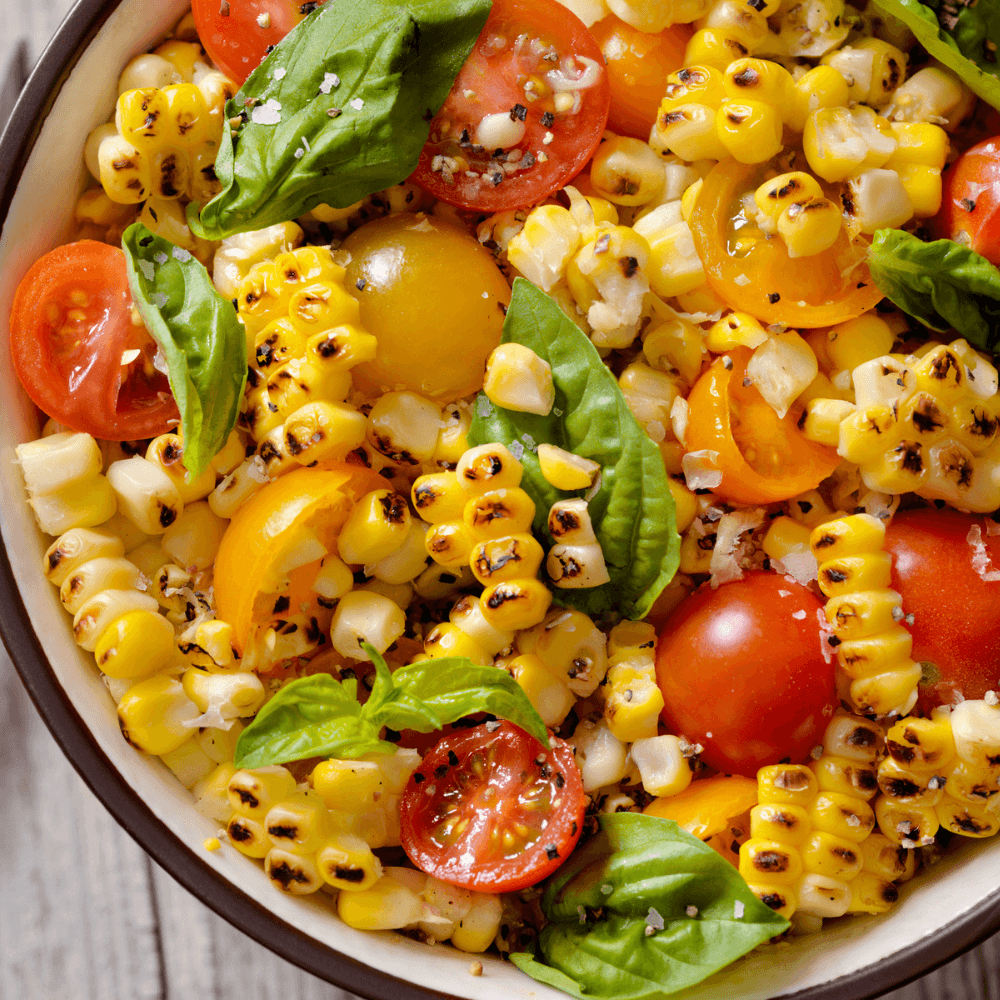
point(742, 672)
point(525, 47)
point(71, 328)
point(955, 623)
point(970, 205)
point(491, 809)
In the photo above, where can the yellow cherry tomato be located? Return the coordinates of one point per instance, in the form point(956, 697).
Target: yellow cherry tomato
point(434, 299)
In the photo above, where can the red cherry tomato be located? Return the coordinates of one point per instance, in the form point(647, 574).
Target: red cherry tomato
point(971, 200)
point(493, 810)
point(742, 672)
point(238, 40)
point(526, 47)
point(956, 625)
point(70, 326)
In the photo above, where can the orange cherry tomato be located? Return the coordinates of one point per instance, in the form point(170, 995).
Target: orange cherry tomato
point(754, 274)
point(763, 457)
point(269, 556)
point(638, 65)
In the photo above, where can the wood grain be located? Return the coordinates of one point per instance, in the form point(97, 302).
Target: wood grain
point(85, 914)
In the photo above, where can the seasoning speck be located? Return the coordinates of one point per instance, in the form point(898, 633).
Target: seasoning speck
point(607, 889)
point(691, 911)
point(224, 8)
point(773, 297)
point(476, 969)
point(360, 284)
point(264, 20)
point(654, 922)
point(357, 103)
point(548, 139)
point(738, 910)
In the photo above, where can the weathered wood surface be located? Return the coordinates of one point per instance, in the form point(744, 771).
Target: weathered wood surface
point(85, 914)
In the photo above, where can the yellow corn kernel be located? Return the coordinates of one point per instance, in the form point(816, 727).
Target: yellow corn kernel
point(760, 79)
point(874, 655)
point(967, 819)
point(447, 639)
point(863, 613)
point(248, 836)
point(136, 645)
point(809, 228)
point(675, 346)
point(826, 854)
point(858, 340)
point(866, 433)
point(292, 873)
point(785, 537)
point(449, 544)
point(871, 893)
point(853, 738)
point(923, 186)
point(298, 823)
point(499, 512)
point(714, 47)
point(632, 709)
point(735, 330)
point(870, 571)
point(516, 604)
point(904, 785)
point(750, 130)
point(99, 611)
point(673, 266)
point(923, 745)
point(845, 816)
point(626, 171)
point(689, 131)
point(900, 821)
point(777, 194)
point(347, 784)
point(549, 696)
point(820, 87)
point(253, 792)
point(346, 862)
point(564, 470)
point(787, 784)
point(477, 930)
point(685, 503)
point(439, 497)
point(919, 143)
point(888, 71)
point(848, 777)
point(886, 859)
point(323, 431)
point(853, 535)
point(489, 467)
point(508, 558)
point(778, 821)
point(780, 898)
point(703, 85)
point(823, 418)
point(769, 860)
point(970, 783)
point(376, 527)
point(892, 691)
point(152, 714)
point(453, 440)
point(841, 142)
point(689, 198)
point(387, 904)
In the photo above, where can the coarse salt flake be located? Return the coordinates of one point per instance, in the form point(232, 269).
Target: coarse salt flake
point(299, 153)
point(798, 615)
point(158, 299)
point(279, 73)
point(146, 266)
point(483, 405)
point(784, 593)
point(264, 20)
point(356, 103)
point(330, 80)
point(607, 889)
point(691, 911)
point(517, 450)
point(741, 279)
point(160, 258)
point(654, 919)
point(981, 561)
point(179, 253)
point(738, 909)
point(268, 113)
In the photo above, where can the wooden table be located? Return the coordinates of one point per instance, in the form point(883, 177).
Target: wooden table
point(85, 914)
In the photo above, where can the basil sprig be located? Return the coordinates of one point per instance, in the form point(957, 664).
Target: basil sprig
point(639, 873)
point(633, 508)
point(956, 35)
point(943, 284)
point(319, 716)
point(340, 108)
point(198, 334)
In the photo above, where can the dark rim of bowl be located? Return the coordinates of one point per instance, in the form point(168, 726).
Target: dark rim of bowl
point(178, 859)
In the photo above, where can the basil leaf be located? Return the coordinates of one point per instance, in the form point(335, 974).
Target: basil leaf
point(596, 941)
point(633, 510)
point(943, 284)
point(198, 334)
point(395, 62)
point(962, 48)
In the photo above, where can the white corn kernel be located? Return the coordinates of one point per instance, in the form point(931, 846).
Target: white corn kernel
point(194, 538)
point(55, 463)
point(518, 379)
point(569, 523)
point(365, 617)
point(662, 765)
point(577, 566)
point(602, 757)
point(146, 495)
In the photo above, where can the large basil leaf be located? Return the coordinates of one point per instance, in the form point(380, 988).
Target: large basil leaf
point(641, 871)
point(956, 35)
point(633, 510)
point(319, 716)
point(340, 108)
point(198, 334)
point(942, 284)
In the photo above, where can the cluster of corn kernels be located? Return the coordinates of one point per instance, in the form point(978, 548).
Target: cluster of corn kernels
point(942, 772)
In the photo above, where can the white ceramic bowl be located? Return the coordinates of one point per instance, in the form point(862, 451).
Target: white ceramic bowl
point(71, 91)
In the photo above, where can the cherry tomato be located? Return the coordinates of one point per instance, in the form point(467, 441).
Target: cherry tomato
point(955, 623)
point(520, 70)
point(434, 332)
point(743, 673)
point(638, 65)
point(261, 581)
point(237, 34)
point(763, 457)
point(491, 809)
point(971, 200)
point(71, 326)
point(753, 274)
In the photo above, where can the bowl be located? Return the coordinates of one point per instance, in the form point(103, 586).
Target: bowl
point(71, 91)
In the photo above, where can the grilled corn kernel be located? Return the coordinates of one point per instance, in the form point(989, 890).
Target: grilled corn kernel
point(346, 862)
point(516, 604)
point(820, 87)
point(809, 228)
point(499, 512)
point(735, 330)
point(477, 930)
point(871, 571)
point(887, 73)
point(94, 576)
point(518, 379)
point(153, 713)
point(770, 860)
point(919, 143)
point(780, 821)
point(248, 836)
point(100, 610)
point(689, 131)
point(863, 613)
point(439, 497)
point(323, 431)
point(714, 47)
point(507, 558)
point(81, 505)
point(785, 537)
point(348, 784)
point(298, 823)
point(840, 142)
point(449, 544)
point(626, 171)
point(231, 695)
point(826, 854)
point(854, 535)
point(662, 765)
point(193, 540)
point(292, 873)
point(135, 645)
point(404, 427)
point(447, 639)
point(703, 85)
point(75, 547)
point(488, 467)
point(777, 194)
point(750, 130)
point(376, 527)
point(253, 792)
point(791, 784)
point(823, 418)
point(759, 79)
point(900, 822)
point(564, 470)
point(146, 494)
point(846, 816)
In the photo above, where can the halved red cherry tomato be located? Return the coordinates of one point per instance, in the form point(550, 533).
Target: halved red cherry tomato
point(971, 200)
point(491, 809)
point(754, 274)
point(763, 457)
point(956, 629)
point(638, 65)
point(71, 329)
point(743, 673)
point(527, 51)
point(237, 34)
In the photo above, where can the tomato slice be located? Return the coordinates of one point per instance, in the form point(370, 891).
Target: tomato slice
point(238, 34)
point(491, 809)
point(763, 457)
point(71, 328)
point(526, 50)
point(754, 274)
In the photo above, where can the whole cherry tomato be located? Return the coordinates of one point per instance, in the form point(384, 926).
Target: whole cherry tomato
point(970, 205)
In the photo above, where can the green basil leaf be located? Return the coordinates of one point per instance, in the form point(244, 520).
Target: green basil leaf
point(314, 716)
point(943, 284)
point(392, 705)
point(454, 687)
point(199, 335)
point(395, 62)
point(633, 510)
point(599, 904)
point(962, 48)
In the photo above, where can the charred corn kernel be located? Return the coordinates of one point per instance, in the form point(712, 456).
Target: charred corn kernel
point(715, 47)
point(123, 171)
point(340, 348)
point(685, 503)
point(675, 346)
point(439, 497)
point(689, 131)
point(626, 171)
point(852, 738)
point(888, 71)
point(832, 856)
point(516, 604)
point(447, 639)
point(919, 143)
point(499, 512)
point(76, 547)
point(886, 859)
point(103, 608)
point(854, 535)
point(810, 509)
point(840, 142)
point(293, 873)
point(167, 453)
point(194, 538)
point(900, 822)
point(900, 783)
point(760, 79)
point(253, 792)
point(576, 566)
point(780, 821)
point(346, 862)
point(407, 562)
point(146, 494)
point(450, 544)
point(846, 816)
point(153, 713)
point(809, 228)
point(323, 431)
point(745, 22)
point(362, 616)
point(348, 784)
point(467, 615)
point(298, 823)
point(922, 745)
point(823, 418)
point(564, 470)
point(735, 330)
point(785, 537)
point(791, 784)
point(777, 194)
point(376, 527)
point(859, 614)
point(967, 819)
point(549, 696)
point(387, 904)
point(135, 645)
point(769, 860)
point(453, 440)
point(703, 85)
point(820, 87)
point(573, 647)
point(404, 427)
point(227, 695)
point(876, 199)
point(749, 129)
point(866, 433)
point(871, 571)
point(871, 893)
point(822, 896)
point(518, 379)
point(488, 467)
point(248, 836)
point(216, 638)
point(507, 558)
point(89, 579)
